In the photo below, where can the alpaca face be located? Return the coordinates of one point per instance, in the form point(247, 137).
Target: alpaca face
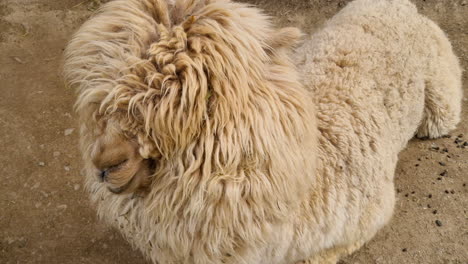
point(184, 92)
point(179, 107)
point(119, 164)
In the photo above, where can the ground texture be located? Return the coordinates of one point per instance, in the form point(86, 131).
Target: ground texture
point(45, 215)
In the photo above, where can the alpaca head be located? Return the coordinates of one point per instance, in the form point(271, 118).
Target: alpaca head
point(187, 90)
point(118, 162)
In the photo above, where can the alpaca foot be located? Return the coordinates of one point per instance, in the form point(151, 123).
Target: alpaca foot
point(434, 127)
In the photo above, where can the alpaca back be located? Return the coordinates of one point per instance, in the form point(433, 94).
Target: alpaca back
point(369, 71)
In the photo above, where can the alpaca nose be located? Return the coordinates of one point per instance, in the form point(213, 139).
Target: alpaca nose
point(103, 175)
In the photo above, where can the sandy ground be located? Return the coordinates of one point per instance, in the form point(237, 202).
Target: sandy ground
point(45, 215)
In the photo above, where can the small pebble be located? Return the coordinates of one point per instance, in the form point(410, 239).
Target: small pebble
point(56, 154)
point(439, 178)
point(41, 163)
point(445, 150)
point(465, 144)
point(429, 196)
point(404, 250)
point(460, 136)
point(428, 206)
point(66, 168)
point(76, 187)
point(18, 60)
point(452, 192)
point(446, 191)
point(416, 165)
point(62, 206)
point(444, 173)
point(434, 212)
point(438, 223)
point(442, 163)
point(68, 131)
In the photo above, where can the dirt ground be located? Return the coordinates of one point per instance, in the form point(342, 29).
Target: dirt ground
point(45, 216)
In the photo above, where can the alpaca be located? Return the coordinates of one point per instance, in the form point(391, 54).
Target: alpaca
point(201, 144)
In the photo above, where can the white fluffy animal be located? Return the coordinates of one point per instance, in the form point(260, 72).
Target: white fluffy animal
point(201, 145)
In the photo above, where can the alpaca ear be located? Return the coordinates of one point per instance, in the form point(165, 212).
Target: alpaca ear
point(287, 37)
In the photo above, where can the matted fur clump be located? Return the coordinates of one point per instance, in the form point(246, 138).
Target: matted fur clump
point(202, 146)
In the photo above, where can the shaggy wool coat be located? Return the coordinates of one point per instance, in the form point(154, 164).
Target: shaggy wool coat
point(255, 161)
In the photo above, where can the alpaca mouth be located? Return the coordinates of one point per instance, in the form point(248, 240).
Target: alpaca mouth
point(121, 189)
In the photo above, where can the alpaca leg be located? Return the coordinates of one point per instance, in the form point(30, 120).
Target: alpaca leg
point(325, 257)
point(331, 256)
point(443, 94)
